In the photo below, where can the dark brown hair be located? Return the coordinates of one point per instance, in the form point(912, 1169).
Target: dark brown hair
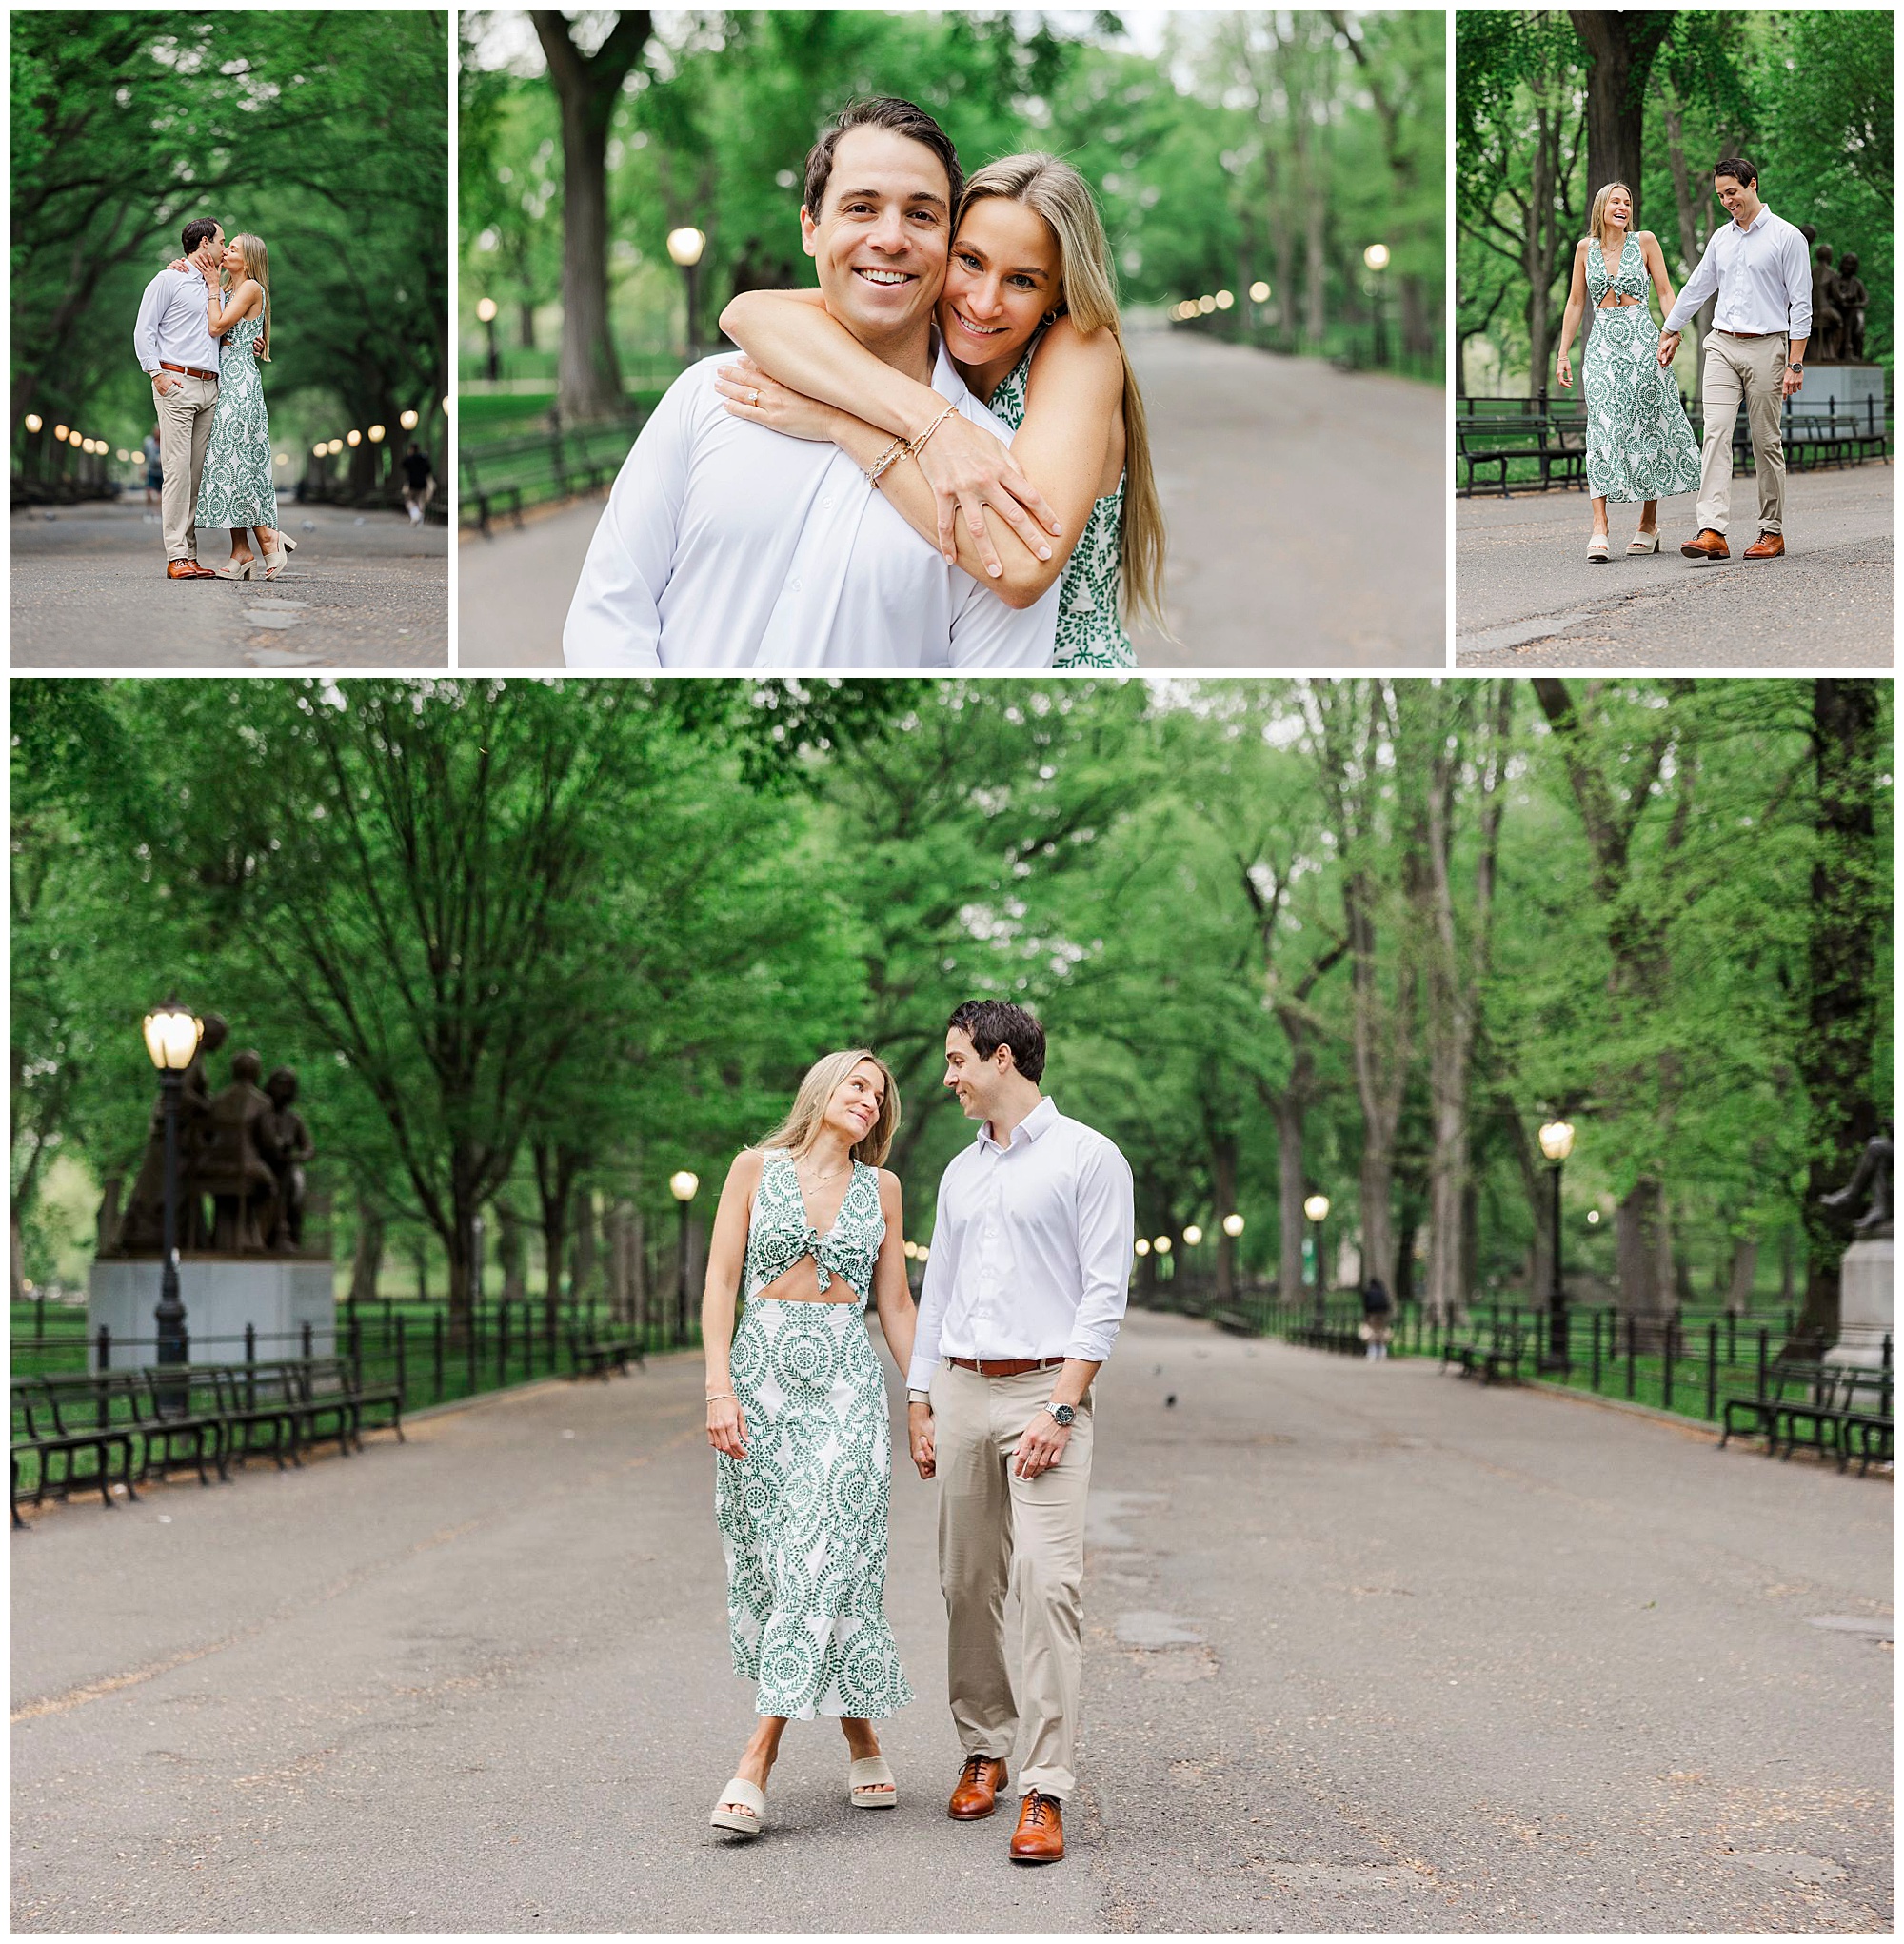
point(200, 229)
point(1738, 169)
point(990, 1023)
point(881, 112)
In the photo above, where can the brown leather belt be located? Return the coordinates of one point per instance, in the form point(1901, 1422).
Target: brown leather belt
point(1010, 1366)
point(190, 370)
point(1724, 333)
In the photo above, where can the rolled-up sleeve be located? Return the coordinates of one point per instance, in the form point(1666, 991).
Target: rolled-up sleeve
point(1702, 284)
point(1106, 1230)
point(935, 1293)
point(1797, 267)
point(145, 331)
point(614, 620)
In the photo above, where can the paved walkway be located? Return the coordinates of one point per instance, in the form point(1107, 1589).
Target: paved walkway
point(1527, 596)
point(1368, 1649)
point(1305, 508)
point(364, 590)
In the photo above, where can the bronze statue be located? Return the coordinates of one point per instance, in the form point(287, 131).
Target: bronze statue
point(1874, 1172)
point(1827, 321)
point(237, 1167)
point(1852, 297)
point(294, 1148)
point(144, 1227)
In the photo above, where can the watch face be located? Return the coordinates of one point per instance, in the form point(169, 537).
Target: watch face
point(1063, 1413)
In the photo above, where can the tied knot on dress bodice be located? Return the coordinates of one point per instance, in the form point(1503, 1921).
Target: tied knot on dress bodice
point(781, 1232)
point(1628, 281)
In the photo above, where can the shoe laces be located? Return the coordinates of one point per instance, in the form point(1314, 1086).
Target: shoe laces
point(973, 1764)
point(1038, 1809)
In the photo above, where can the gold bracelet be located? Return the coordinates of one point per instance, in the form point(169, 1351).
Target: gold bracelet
point(893, 453)
point(913, 451)
point(722, 1397)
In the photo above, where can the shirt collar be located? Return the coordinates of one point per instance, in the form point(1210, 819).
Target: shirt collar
point(946, 379)
point(1042, 1117)
point(1746, 228)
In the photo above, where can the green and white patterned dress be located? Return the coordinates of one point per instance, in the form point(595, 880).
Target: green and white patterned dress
point(235, 487)
point(1090, 629)
point(803, 1515)
point(1639, 446)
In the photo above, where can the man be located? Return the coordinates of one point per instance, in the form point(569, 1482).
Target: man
point(728, 545)
point(179, 354)
point(1761, 270)
point(1024, 1290)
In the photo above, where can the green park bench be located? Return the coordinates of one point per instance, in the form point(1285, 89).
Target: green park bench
point(598, 1356)
point(505, 475)
point(1557, 443)
point(1332, 1337)
point(1495, 1361)
point(56, 1419)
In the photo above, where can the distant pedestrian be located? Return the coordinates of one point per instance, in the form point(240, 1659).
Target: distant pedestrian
point(1378, 1311)
point(418, 481)
point(155, 477)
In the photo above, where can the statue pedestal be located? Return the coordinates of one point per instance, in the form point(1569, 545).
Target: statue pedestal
point(1867, 1304)
point(276, 1295)
point(1843, 391)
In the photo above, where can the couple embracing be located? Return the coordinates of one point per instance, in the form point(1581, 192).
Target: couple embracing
point(1024, 1290)
point(203, 327)
point(936, 459)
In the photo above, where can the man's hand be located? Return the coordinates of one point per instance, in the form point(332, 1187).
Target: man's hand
point(1041, 1445)
point(1794, 381)
point(918, 1436)
point(1669, 347)
point(163, 383)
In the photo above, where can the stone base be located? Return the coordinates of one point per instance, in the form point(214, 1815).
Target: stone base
point(1867, 1304)
point(276, 1295)
point(1843, 389)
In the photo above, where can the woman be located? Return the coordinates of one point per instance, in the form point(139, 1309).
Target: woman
point(1029, 315)
point(1639, 446)
point(236, 488)
point(809, 1228)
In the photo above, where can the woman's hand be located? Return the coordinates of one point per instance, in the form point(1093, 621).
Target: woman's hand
point(968, 469)
point(752, 394)
point(180, 262)
point(1563, 370)
point(920, 1438)
point(726, 1427)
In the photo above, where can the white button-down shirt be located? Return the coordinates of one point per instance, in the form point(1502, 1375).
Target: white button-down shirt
point(726, 545)
point(1031, 1248)
point(1763, 277)
point(171, 327)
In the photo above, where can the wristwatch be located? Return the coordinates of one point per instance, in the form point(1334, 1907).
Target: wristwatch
point(1799, 367)
point(1063, 1413)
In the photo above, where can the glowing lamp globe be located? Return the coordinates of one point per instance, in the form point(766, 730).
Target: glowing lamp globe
point(1317, 1207)
point(682, 1185)
point(1233, 1225)
point(1557, 1140)
point(1376, 256)
point(171, 1037)
point(1192, 1235)
point(684, 247)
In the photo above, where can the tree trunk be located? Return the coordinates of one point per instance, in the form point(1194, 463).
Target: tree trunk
point(1851, 908)
point(556, 1168)
point(1744, 1273)
point(615, 1237)
point(1291, 1186)
point(1534, 1185)
point(1692, 231)
point(1619, 47)
point(512, 1251)
point(585, 1244)
point(367, 1257)
point(641, 1281)
point(1224, 1179)
point(587, 89)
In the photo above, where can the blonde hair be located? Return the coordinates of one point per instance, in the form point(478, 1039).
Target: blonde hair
point(258, 267)
point(1088, 292)
point(824, 1078)
point(1597, 219)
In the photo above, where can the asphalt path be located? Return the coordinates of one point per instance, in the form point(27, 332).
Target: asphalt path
point(1368, 1648)
point(87, 589)
point(1305, 510)
point(1527, 596)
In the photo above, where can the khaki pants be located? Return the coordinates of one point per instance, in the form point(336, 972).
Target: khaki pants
point(185, 425)
point(1754, 370)
point(998, 1530)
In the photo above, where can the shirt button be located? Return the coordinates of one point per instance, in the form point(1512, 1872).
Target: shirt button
point(793, 586)
point(826, 500)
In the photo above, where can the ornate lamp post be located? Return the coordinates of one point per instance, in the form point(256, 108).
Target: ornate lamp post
point(684, 247)
point(1316, 1209)
point(485, 316)
point(1557, 1143)
point(171, 1040)
point(682, 1187)
point(1376, 257)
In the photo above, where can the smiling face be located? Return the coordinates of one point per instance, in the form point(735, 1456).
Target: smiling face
point(978, 1082)
point(1005, 276)
point(1620, 212)
point(880, 238)
point(853, 1108)
point(1741, 198)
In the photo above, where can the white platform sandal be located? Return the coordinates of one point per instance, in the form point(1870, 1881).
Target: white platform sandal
point(870, 1784)
point(1598, 548)
point(1645, 543)
point(743, 1808)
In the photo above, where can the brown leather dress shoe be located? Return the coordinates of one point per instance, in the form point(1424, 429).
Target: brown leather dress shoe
point(1040, 1829)
point(1766, 547)
point(187, 571)
point(976, 1793)
point(1707, 543)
